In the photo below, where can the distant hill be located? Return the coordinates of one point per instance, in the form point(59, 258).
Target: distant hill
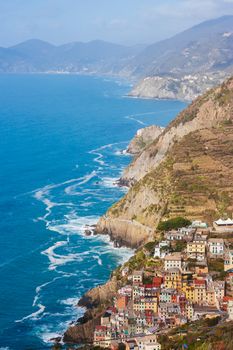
point(205, 47)
point(181, 67)
point(187, 64)
point(92, 57)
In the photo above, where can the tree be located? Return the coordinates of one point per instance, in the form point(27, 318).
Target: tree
point(174, 223)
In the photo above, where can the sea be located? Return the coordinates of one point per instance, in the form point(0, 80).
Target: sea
point(62, 139)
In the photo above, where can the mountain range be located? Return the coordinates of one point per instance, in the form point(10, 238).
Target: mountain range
point(173, 68)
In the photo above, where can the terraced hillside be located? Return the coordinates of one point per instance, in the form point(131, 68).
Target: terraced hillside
point(187, 170)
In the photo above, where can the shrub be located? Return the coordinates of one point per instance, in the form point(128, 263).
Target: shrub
point(173, 224)
point(150, 246)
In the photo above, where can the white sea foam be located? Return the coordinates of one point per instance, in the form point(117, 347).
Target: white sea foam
point(46, 335)
point(71, 190)
point(110, 182)
point(35, 315)
point(70, 301)
point(57, 259)
point(135, 119)
point(98, 152)
point(74, 225)
point(99, 261)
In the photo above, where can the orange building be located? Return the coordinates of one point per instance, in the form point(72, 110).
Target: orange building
point(121, 302)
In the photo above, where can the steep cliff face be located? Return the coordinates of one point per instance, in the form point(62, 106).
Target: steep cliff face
point(95, 300)
point(186, 88)
point(187, 171)
point(205, 112)
point(144, 138)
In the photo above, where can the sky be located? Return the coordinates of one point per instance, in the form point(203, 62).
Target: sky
point(122, 21)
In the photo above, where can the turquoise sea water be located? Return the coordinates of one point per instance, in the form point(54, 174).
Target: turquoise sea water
point(60, 150)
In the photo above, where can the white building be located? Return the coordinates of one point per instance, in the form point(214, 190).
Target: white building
point(223, 225)
point(148, 342)
point(230, 309)
point(137, 276)
point(199, 224)
point(228, 260)
point(216, 246)
point(173, 261)
point(219, 289)
point(161, 249)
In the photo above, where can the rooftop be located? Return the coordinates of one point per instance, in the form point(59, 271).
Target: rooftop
point(222, 222)
point(174, 256)
point(216, 240)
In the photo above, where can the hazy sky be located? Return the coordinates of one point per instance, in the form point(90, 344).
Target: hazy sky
point(122, 21)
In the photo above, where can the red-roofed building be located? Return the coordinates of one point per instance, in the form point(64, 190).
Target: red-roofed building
point(224, 303)
point(157, 281)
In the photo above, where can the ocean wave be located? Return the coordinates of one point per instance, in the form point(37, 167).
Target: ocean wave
point(99, 260)
point(35, 315)
point(98, 152)
point(71, 190)
point(58, 259)
point(73, 225)
point(135, 119)
point(110, 182)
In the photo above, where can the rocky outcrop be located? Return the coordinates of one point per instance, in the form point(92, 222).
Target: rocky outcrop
point(187, 171)
point(95, 301)
point(144, 138)
point(185, 88)
point(125, 231)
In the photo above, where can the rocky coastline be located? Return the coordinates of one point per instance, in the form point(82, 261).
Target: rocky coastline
point(186, 171)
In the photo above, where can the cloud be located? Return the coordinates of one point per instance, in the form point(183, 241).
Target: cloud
point(190, 9)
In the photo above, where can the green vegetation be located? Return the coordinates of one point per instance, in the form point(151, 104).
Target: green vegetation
point(216, 268)
point(150, 247)
point(192, 263)
point(216, 265)
point(179, 246)
point(137, 261)
point(205, 334)
point(224, 96)
point(173, 224)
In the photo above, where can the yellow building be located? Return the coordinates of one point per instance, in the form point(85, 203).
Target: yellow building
point(139, 304)
point(200, 291)
point(189, 311)
point(210, 297)
point(196, 249)
point(189, 292)
point(151, 304)
point(173, 279)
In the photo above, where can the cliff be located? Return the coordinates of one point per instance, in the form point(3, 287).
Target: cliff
point(185, 88)
point(205, 112)
point(95, 301)
point(187, 171)
point(144, 138)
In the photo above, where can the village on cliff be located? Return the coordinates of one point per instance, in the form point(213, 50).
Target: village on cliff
point(185, 276)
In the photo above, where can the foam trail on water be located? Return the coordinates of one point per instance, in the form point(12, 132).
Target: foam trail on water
point(100, 156)
point(70, 190)
point(34, 315)
point(57, 259)
point(136, 120)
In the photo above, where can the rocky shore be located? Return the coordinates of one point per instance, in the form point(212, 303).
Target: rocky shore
point(186, 171)
point(94, 301)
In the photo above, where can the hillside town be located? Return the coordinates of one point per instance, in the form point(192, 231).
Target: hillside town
point(187, 275)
